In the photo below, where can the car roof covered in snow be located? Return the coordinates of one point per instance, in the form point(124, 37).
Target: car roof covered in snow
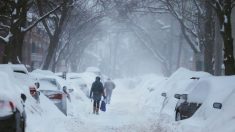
point(214, 89)
point(9, 90)
point(93, 69)
point(16, 67)
point(72, 75)
point(41, 74)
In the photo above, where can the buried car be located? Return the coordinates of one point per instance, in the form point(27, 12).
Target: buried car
point(57, 93)
point(21, 74)
point(205, 98)
point(184, 108)
point(12, 113)
point(216, 113)
point(77, 80)
point(51, 89)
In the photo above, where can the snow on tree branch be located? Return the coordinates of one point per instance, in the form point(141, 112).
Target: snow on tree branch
point(4, 26)
point(5, 17)
point(7, 38)
point(187, 32)
point(40, 19)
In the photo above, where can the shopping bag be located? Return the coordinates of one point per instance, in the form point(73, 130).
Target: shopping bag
point(103, 106)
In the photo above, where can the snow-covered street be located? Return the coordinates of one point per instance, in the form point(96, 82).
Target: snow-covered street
point(146, 103)
point(136, 106)
point(124, 114)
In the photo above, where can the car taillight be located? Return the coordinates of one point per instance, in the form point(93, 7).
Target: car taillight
point(7, 106)
point(12, 106)
point(32, 90)
point(55, 96)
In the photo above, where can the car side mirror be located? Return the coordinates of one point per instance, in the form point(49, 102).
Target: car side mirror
point(195, 78)
point(65, 89)
point(177, 96)
point(23, 97)
point(163, 94)
point(70, 90)
point(217, 105)
point(37, 84)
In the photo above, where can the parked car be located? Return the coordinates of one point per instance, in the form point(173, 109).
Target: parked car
point(76, 80)
point(12, 113)
point(216, 95)
point(21, 74)
point(184, 108)
point(57, 93)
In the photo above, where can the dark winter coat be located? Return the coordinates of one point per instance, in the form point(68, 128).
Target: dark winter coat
point(97, 90)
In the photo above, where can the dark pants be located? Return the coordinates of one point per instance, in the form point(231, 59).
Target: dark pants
point(96, 104)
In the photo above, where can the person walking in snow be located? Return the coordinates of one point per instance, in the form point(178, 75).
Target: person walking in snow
point(109, 86)
point(97, 91)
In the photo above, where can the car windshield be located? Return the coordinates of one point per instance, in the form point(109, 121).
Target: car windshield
point(19, 71)
point(49, 84)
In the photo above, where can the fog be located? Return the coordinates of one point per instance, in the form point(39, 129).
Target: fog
point(121, 50)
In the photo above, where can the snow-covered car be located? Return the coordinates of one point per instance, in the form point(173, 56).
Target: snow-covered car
point(185, 109)
point(76, 80)
point(216, 96)
point(21, 74)
point(12, 113)
point(51, 88)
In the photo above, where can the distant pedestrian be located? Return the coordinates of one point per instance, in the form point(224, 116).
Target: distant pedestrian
point(109, 86)
point(97, 91)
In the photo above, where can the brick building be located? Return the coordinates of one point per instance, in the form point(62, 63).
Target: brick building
point(34, 48)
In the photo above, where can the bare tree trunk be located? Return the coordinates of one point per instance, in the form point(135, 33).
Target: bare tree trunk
point(228, 39)
point(209, 39)
point(218, 50)
point(54, 40)
point(224, 10)
point(13, 51)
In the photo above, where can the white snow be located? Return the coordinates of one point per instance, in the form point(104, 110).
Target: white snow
point(137, 105)
point(7, 38)
point(166, 27)
point(14, 12)
point(225, 19)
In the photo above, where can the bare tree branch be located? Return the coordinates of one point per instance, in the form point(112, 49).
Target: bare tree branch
point(39, 5)
point(7, 38)
point(4, 26)
point(5, 17)
point(40, 19)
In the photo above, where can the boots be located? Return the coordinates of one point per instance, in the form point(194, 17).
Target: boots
point(97, 111)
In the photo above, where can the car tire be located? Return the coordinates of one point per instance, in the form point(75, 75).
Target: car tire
point(178, 116)
point(19, 122)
